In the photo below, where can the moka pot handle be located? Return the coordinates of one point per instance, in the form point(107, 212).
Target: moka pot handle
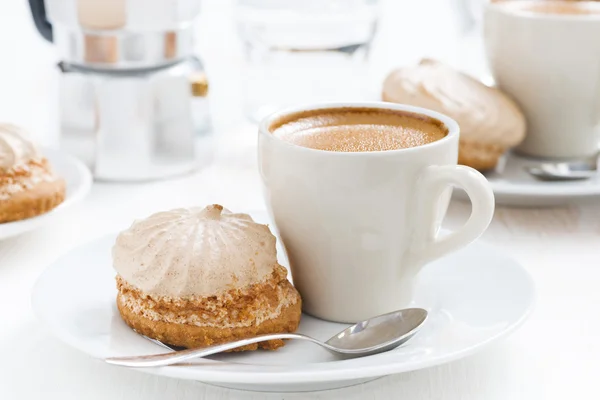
point(38, 12)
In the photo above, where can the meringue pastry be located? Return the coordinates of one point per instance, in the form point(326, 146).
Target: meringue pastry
point(203, 276)
point(28, 186)
point(490, 122)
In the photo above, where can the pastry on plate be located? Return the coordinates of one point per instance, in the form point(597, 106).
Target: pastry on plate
point(203, 276)
point(28, 186)
point(490, 122)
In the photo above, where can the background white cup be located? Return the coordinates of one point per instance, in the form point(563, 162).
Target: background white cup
point(357, 227)
point(550, 64)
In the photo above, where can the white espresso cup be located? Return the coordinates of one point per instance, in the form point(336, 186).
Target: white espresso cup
point(358, 226)
point(550, 64)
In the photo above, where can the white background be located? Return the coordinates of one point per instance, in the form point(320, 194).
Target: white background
point(554, 355)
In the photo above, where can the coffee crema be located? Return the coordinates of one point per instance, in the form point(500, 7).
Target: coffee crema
point(551, 7)
point(357, 129)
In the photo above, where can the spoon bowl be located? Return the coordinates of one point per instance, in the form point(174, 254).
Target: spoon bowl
point(378, 334)
point(565, 171)
point(375, 335)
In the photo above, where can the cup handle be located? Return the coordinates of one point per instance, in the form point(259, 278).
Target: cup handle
point(427, 246)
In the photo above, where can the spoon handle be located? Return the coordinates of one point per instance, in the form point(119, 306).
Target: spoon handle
point(161, 360)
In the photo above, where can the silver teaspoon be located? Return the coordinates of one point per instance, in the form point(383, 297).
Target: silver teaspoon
point(565, 171)
point(372, 336)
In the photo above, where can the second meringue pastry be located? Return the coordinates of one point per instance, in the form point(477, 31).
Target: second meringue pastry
point(490, 122)
point(28, 186)
point(203, 276)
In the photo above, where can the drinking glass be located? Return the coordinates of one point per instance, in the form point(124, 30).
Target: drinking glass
point(304, 51)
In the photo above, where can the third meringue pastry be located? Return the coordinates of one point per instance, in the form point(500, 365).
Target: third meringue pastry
point(490, 122)
point(202, 276)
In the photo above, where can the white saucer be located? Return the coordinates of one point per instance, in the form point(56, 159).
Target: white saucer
point(79, 181)
point(475, 297)
point(514, 186)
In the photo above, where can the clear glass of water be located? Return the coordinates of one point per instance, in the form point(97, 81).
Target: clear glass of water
point(304, 51)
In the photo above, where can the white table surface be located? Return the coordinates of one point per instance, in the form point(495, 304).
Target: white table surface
point(554, 355)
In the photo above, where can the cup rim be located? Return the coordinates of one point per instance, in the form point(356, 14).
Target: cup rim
point(498, 7)
point(449, 123)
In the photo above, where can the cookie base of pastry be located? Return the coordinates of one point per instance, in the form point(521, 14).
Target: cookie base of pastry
point(29, 203)
point(480, 156)
point(192, 336)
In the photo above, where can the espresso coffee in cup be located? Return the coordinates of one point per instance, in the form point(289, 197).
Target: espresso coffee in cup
point(555, 7)
point(354, 130)
point(545, 55)
point(357, 192)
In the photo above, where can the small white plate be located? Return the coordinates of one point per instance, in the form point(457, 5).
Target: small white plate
point(514, 186)
point(78, 180)
point(474, 297)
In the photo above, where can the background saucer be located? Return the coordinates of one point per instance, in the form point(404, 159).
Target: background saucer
point(79, 181)
point(475, 296)
point(513, 186)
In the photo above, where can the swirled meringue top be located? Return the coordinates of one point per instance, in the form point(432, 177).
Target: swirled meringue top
point(15, 148)
point(484, 114)
point(195, 252)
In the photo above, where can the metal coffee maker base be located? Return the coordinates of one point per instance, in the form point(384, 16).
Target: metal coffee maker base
point(136, 125)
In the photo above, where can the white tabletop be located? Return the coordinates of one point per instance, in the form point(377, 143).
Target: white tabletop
point(553, 356)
